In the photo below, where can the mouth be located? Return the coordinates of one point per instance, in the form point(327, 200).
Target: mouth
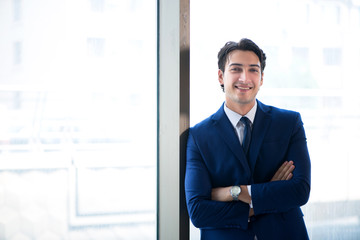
point(243, 88)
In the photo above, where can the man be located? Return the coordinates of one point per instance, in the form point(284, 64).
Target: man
point(246, 179)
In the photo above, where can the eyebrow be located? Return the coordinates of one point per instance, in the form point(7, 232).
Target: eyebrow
point(241, 65)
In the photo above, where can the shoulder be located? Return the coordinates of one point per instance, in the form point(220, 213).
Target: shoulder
point(284, 121)
point(280, 118)
point(278, 113)
point(207, 127)
point(204, 124)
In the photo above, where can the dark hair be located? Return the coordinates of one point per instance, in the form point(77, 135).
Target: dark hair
point(244, 45)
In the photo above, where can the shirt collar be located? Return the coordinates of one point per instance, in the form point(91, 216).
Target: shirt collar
point(234, 117)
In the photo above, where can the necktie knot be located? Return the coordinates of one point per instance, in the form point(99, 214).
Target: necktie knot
point(245, 121)
point(247, 134)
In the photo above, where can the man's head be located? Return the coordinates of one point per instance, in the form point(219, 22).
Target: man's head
point(241, 71)
point(244, 45)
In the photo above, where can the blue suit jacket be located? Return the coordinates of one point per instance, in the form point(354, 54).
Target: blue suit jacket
point(215, 159)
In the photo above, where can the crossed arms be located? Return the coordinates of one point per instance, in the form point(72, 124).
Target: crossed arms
point(222, 194)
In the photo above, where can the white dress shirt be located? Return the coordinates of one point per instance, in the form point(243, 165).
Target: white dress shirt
point(234, 118)
point(239, 126)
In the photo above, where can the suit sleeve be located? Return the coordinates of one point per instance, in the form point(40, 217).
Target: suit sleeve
point(281, 196)
point(204, 212)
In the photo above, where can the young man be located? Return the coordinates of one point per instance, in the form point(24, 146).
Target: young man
point(248, 166)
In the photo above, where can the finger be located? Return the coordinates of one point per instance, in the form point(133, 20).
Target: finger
point(289, 176)
point(283, 165)
point(251, 212)
point(280, 172)
point(285, 170)
point(289, 167)
point(288, 172)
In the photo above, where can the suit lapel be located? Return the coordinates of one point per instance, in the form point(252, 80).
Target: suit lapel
point(261, 124)
point(224, 128)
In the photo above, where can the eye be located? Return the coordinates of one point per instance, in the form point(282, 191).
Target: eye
point(254, 70)
point(235, 69)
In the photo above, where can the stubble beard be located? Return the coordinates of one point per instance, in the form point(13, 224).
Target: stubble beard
point(235, 98)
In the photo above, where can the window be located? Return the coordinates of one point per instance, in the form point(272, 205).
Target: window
point(332, 56)
point(306, 72)
point(78, 126)
point(97, 5)
point(96, 47)
point(17, 10)
point(331, 13)
point(17, 53)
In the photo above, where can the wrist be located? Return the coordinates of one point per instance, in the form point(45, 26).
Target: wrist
point(244, 195)
point(235, 191)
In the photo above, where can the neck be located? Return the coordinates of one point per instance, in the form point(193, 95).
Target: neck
point(240, 108)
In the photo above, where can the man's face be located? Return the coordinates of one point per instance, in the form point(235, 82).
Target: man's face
point(241, 78)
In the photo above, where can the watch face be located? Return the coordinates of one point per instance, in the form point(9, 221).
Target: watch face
point(236, 190)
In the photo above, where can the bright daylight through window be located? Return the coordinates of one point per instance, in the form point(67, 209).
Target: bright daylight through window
point(78, 121)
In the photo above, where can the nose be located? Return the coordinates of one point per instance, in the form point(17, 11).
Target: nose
point(243, 76)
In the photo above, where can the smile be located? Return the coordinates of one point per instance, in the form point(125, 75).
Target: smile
point(243, 88)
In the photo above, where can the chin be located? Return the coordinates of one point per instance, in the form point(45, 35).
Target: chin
point(245, 101)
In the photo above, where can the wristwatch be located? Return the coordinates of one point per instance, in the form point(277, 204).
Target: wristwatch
point(235, 192)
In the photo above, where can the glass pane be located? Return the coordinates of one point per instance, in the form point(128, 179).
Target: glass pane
point(78, 106)
point(312, 55)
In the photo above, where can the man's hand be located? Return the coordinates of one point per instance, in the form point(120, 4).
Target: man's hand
point(251, 212)
point(284, 172)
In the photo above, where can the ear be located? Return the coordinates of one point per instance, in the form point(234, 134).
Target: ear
point(221, 77)
point(262, 79)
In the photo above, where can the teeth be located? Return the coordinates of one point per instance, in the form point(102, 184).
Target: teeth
point(244, 88)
